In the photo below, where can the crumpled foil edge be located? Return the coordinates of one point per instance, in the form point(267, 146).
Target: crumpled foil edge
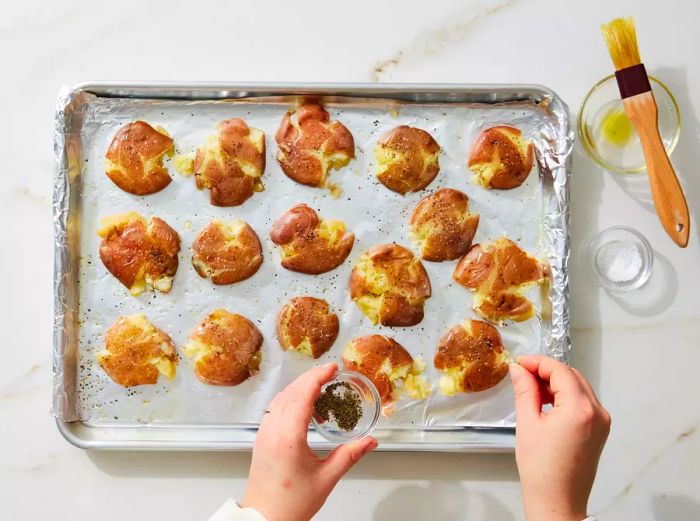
point(66, 192)
point(555, 164)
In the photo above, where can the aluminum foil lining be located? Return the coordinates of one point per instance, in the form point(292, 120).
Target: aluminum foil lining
point(88, 299)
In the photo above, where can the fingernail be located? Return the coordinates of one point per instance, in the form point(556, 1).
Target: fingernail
point(329, 365)
point(373, 444)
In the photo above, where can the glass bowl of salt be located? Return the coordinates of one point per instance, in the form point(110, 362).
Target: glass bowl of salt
point(621, 258)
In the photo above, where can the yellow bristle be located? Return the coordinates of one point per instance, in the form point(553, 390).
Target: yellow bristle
point(622, 42)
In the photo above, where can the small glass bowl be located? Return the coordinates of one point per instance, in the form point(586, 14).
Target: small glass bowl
point(621, 258)
point(371, 409)
point(603, 103)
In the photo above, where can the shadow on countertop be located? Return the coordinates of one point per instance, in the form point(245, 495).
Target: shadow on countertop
point(442, 498)
point(586, 189)
point(446, 501)
point(135, 464)
point(379, 465)
point(675, 508)
point(656, 296)
point(437, 466)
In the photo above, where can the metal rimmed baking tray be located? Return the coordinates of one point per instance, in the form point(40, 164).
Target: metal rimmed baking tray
point(87, 111)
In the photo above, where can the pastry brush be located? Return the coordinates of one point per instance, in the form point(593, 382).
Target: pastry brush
point(641, 109)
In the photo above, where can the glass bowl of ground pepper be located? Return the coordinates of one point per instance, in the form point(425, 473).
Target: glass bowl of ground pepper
point(347, 409)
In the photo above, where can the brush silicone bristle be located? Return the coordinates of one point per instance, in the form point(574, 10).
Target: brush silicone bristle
point(621, 38)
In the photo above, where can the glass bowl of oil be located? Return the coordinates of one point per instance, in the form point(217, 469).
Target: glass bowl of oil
point(609, 136)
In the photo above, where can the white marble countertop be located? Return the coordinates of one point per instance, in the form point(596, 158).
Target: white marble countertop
point(641, 351)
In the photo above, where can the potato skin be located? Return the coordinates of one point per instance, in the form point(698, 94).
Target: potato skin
point(225, 262)
point(298, 234)
point(132, 248)
point(408, 286)
point(478, 349)
point(502, 150)
point(235, 354)
point(445, 225)
point(307, 318)
point(129, 349)
point(372, 351)
point(313, 134)
point(133, 147)
point(218, 165)
point(408, 159)
point(497, 272)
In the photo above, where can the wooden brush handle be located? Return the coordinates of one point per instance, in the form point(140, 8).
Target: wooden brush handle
point(669, 200)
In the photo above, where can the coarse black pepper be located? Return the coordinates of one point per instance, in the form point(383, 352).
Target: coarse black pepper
point(341, 403)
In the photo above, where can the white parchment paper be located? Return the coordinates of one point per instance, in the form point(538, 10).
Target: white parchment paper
point(371, 211)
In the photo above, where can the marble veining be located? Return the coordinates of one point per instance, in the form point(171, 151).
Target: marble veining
point(432, 41)
point(660, 454)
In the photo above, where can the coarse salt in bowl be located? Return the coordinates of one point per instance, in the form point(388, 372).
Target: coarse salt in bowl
point(621, 258)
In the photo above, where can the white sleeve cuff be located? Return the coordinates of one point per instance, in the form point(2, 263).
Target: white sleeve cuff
point(230, 511)
point(590, 518)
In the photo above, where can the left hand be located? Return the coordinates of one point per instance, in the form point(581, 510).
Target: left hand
point(287, 481)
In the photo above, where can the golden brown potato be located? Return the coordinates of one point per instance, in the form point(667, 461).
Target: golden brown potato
point(309, 244)
point(136, 352)
point(472, 357)
point(499, 273)
point(134, 159)
point(139, 253)
point(225, 348)
point(390, 286)
point(407, 159)
point(501, 158)
point(389, 366)
point(443, 226)
point(227, 252)
point(310, 145)
point(307, 325)
point(231, 163)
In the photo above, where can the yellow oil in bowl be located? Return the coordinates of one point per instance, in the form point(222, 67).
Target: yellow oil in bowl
point(608, 135)
point(616, 127)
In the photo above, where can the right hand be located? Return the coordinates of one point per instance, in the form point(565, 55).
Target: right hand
point(557, 451)
point(287, 481)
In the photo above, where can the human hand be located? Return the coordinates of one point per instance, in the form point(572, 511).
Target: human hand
point(287, 481)
point(557, 451)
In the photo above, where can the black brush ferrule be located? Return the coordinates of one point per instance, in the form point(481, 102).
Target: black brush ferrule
point(632, 81)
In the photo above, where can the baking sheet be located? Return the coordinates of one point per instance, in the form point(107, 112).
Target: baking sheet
point(532, 214)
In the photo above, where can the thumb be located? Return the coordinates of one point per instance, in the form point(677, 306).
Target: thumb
point(344, 457)
point(528, 402)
